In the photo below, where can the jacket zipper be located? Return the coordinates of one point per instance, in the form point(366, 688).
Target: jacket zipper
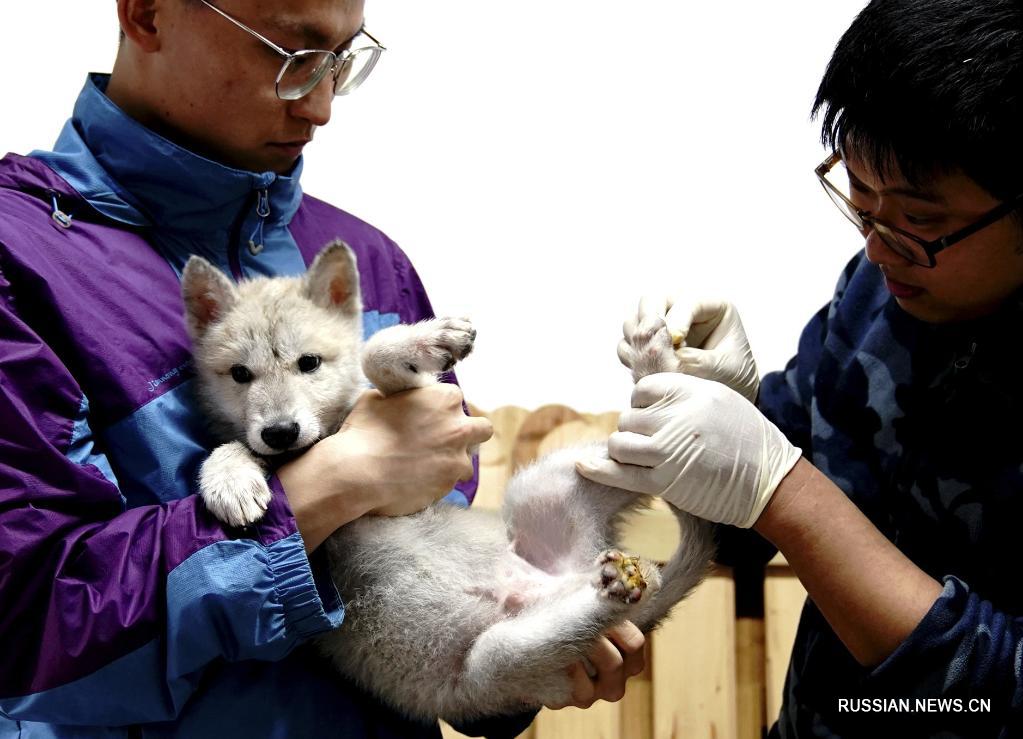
point(263, 211)
point(255, 241)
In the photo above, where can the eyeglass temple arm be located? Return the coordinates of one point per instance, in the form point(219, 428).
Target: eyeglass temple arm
point(245, 28)
point(994, 215)
point(372, 38)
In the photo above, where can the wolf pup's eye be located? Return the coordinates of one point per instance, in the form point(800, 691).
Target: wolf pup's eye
point(241, 374)
point(309, 362)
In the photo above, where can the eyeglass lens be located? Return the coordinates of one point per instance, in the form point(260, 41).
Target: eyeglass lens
point(838, 178)
point(305, 70)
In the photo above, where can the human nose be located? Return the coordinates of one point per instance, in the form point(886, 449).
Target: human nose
point(879, 252)
point(315, 106)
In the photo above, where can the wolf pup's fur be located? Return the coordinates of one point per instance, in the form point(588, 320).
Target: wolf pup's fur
point(452, 613)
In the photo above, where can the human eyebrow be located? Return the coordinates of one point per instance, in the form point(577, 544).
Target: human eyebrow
point(905, 191)
point(914, 193)
point(310, 34)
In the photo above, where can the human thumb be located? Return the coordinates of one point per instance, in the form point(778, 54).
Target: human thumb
point(607, 472)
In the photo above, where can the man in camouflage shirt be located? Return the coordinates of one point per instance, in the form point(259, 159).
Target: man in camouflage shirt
point(885, 462)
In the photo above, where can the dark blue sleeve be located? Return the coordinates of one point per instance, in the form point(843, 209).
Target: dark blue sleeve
point(964, 648)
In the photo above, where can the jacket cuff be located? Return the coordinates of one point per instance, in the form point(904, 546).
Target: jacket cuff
point(311, 603)
point(936, 624)
point(306, 591)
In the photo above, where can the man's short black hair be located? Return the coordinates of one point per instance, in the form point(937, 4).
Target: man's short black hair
point(931, 86)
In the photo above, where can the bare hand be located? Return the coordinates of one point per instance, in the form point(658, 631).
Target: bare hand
point(411, 447)
point(615, 657)
point(393, 456)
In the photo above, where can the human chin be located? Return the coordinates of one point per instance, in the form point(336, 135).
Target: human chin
point(284, 154)
point(929, 309)
point(922, 310)
point(261, 159)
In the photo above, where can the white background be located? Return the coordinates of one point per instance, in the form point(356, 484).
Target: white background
point(546, 162)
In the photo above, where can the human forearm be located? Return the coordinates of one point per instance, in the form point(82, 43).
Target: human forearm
point(872, 595)
point(321, 498)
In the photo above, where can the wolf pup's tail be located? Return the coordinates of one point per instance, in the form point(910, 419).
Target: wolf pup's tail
point(683, 572)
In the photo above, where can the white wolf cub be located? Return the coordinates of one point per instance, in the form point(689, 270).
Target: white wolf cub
point(452, 613)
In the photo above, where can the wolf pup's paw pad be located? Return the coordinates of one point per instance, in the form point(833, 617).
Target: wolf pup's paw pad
point(620, 577)
point(233, 486)
point(443, 342)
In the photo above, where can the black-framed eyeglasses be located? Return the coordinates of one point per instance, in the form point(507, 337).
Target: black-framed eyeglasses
point(915, 249)
point(303, 70)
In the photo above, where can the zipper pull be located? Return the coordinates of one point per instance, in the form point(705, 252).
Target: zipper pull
point(263, 211)
point(963, 362)
point(952, 377)
point(61, 218)
point(263, 203)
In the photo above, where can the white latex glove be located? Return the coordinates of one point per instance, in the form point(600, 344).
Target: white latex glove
point(700, 446)
point(708, 336)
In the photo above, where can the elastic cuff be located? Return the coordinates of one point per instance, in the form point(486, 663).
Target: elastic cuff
point(942, 615)
point(311, 602)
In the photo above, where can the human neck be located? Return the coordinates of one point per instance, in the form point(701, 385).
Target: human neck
point(127, 90)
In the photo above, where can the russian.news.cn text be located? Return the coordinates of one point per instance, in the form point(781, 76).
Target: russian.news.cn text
point(914, 705)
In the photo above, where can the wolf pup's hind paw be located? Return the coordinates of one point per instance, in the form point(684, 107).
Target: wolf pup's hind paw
point(233, 486)
point(620, 577)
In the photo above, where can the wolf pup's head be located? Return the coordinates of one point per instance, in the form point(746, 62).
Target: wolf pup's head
point(277, 358)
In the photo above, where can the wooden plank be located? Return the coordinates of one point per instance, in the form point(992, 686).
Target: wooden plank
point(569, 433)
point(652, 532)
point(496, 454)
point(535, 427)
point(694, 665)
point(784, 596)
point(750, 678)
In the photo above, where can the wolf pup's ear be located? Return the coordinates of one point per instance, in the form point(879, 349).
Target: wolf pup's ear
point(208, 295)
point(332, 281)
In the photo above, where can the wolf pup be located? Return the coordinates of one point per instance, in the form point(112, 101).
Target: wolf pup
point(449, 613)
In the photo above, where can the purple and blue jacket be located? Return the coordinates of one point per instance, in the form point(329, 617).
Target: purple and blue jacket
point(125, 608)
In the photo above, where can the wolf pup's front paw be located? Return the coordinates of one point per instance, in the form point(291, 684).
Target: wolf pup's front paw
point(407, 356)
point(233, 486)
point(620, 577)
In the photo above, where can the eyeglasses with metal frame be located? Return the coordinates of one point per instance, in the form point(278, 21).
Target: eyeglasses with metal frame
point(304, 69)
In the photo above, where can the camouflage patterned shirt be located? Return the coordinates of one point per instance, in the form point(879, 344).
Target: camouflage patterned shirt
point(917, 423)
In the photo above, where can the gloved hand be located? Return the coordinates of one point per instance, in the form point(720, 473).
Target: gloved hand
point(700, 446)
point(709, 339)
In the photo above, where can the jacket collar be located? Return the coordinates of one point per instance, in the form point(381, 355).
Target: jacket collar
point(135, 176)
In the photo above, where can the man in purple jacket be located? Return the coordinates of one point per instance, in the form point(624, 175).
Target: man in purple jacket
point(127, 610)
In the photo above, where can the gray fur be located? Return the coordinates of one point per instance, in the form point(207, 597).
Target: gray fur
point(449, 613)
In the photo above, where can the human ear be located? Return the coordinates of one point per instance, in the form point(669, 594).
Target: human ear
point(138, 23)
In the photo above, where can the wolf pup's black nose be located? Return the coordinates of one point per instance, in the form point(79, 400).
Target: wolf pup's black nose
point(280, 435)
